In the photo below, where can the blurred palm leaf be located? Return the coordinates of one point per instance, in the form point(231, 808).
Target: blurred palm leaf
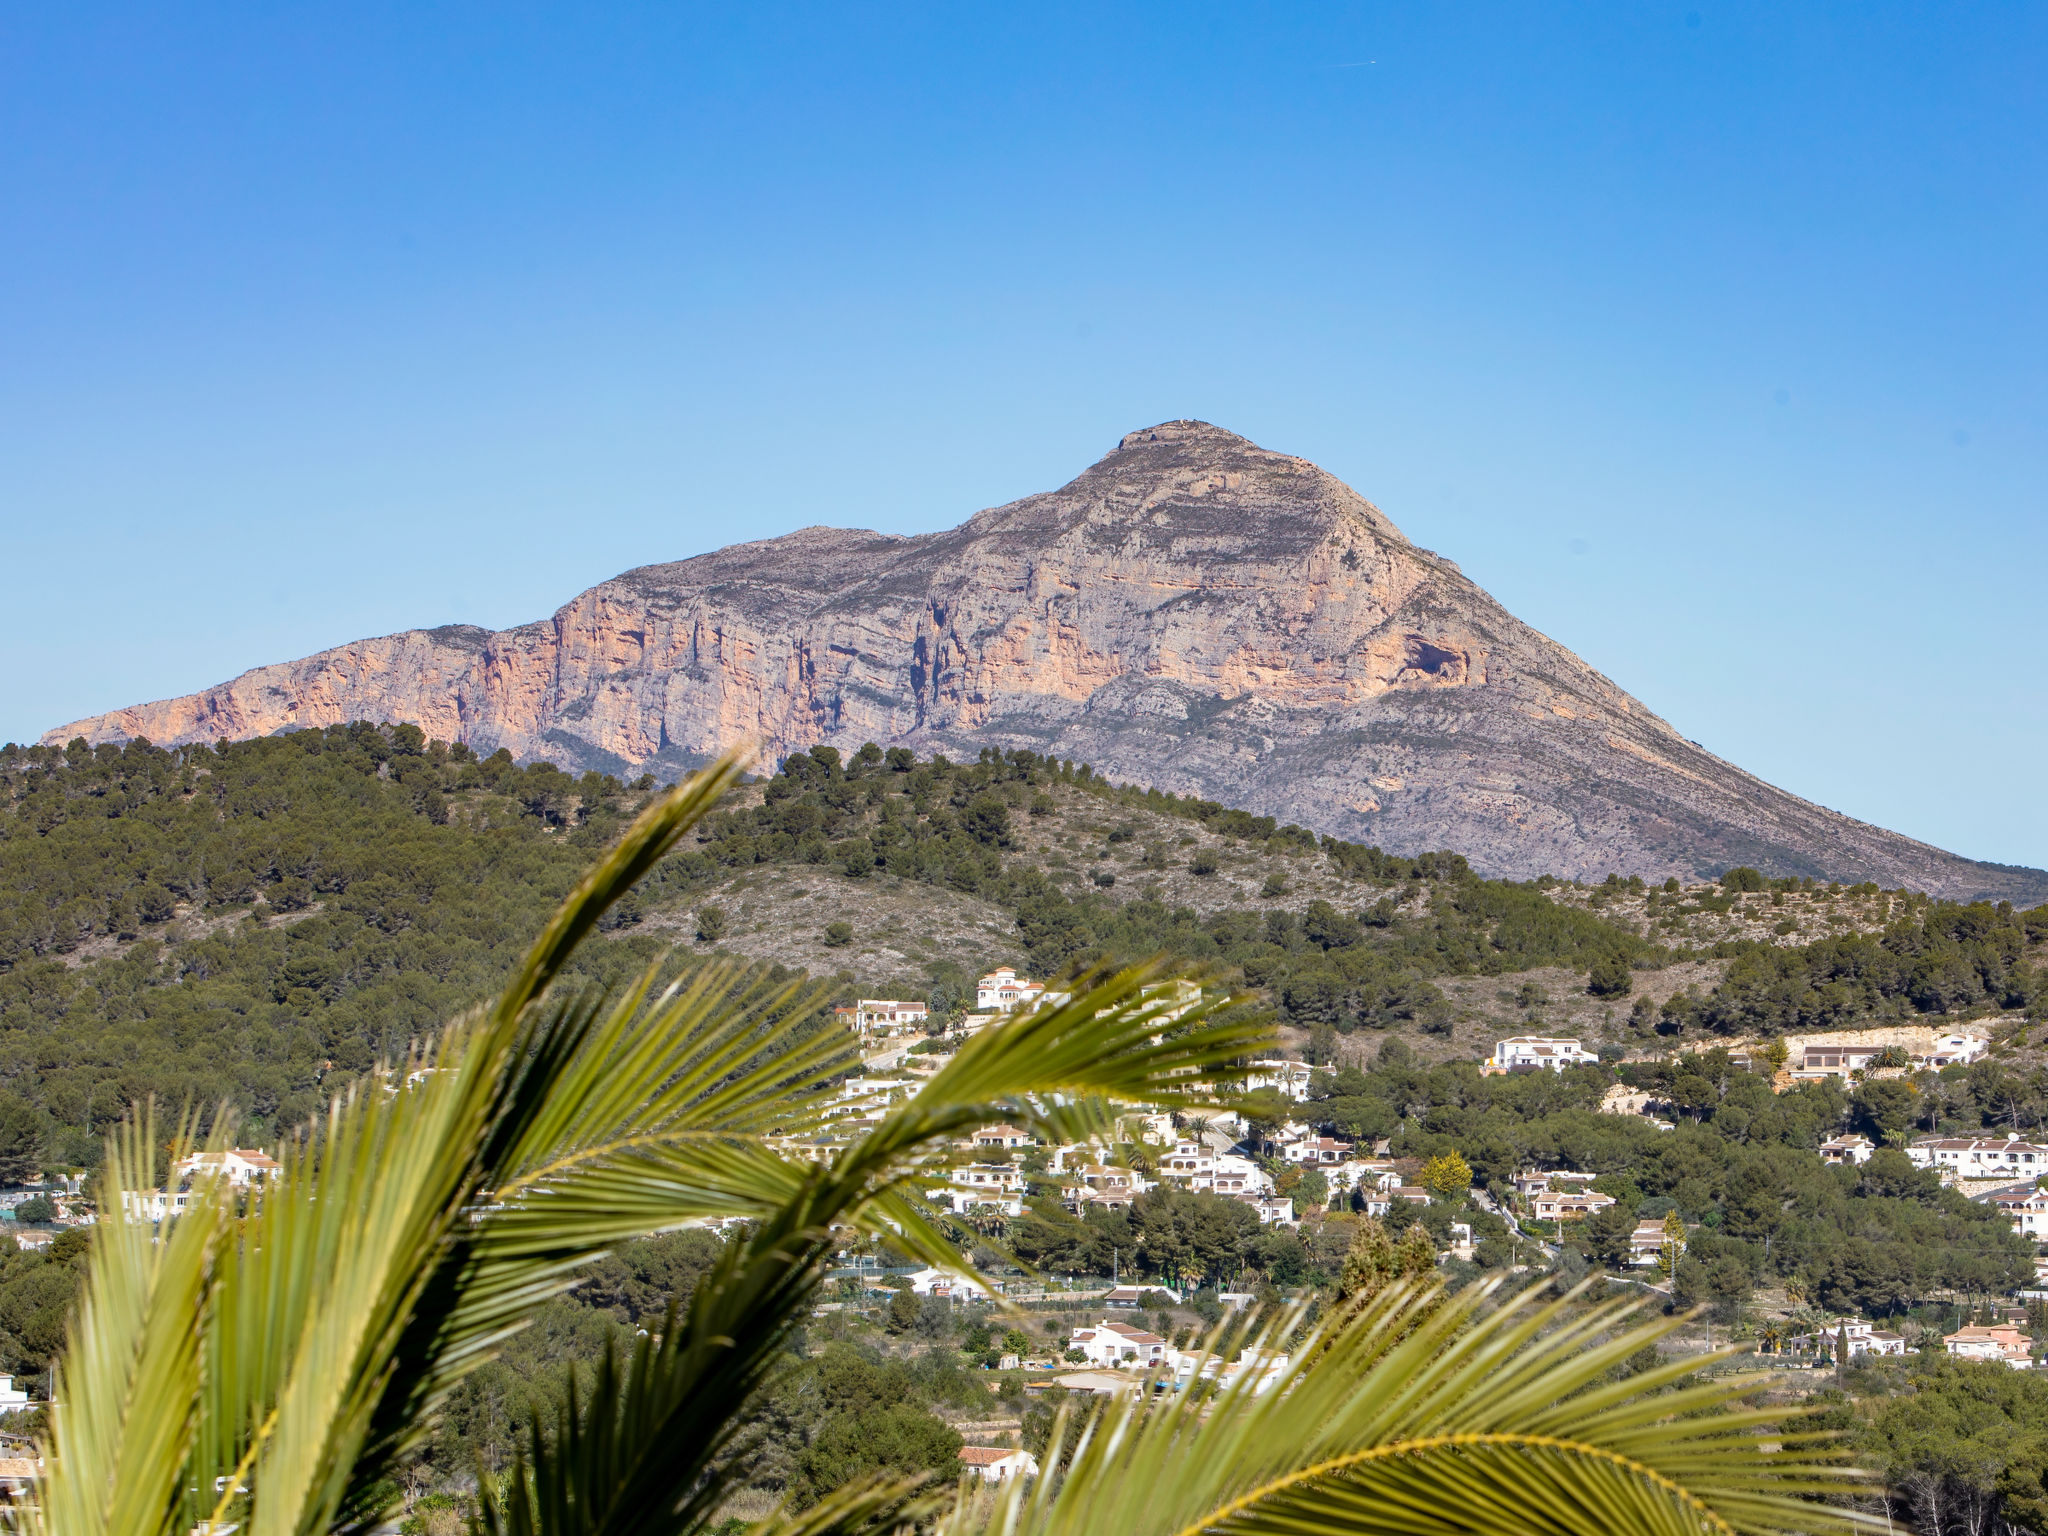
point(1423, 1413)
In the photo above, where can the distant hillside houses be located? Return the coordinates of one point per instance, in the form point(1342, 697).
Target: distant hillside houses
point(1537, 1053)
point(1815, 1057)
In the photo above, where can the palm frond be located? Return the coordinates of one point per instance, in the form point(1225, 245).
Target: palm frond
point(1422, 1413)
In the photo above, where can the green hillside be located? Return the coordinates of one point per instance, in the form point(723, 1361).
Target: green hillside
point(247, 921)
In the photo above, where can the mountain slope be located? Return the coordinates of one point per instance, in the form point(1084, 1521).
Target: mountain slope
point(1192, 612)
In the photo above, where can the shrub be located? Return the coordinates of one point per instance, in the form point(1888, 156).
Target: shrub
point(1203, 863)
point(710, 924)
point(838, 935)
point(1105, 878)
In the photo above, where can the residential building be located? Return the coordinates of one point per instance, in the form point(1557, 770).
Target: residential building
point(984, 1184)
point(942, 1282)
point(1110, 1189)
point(1549, 1205)
point(1954, 1049)
point(1649, 1243)
point(1120, 1345)
point(1537, 1053)
point(1859, 1337)
point(18, 1475)
point(1839, 1058)
point(2002, 1342)
point(995, 1464)
point(1001, 1136)
point(1318, 1151)
point(1004, 991)
point(881, 1016)
point(2025, 1204)
point(1274, 1210)
point(11, 1397)
point(1979, 1157)
point(239, 1167)
point(1847, 1149)
point(1287, 1078)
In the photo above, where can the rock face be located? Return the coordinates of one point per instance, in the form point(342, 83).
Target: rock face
point(1193, 612)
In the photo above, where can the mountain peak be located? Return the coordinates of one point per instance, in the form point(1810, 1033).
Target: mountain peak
point(1192, 613)
point(1184, 431)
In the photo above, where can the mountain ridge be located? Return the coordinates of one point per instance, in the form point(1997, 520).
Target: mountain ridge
point(1192, 612)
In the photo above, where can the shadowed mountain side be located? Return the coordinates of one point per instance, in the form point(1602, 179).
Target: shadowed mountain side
point(1192, 612)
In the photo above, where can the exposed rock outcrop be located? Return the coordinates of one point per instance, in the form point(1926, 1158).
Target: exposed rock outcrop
point(1192, 612)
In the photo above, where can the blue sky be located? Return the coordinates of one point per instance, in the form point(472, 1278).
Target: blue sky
point(1712, 339)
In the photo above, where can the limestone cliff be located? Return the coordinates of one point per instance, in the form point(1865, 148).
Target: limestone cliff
point(1193, 612)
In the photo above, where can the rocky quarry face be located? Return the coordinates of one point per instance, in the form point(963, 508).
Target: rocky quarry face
point(1193, 612)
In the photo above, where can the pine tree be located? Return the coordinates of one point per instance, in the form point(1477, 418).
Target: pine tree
point(1370, 1265)
point(1418, 1252)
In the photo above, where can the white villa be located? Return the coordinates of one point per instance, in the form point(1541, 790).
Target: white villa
point(1979, 1157)
point(1537, 1053)
point(1004, 991)
point(1847, 1149)
point(1119, 1344)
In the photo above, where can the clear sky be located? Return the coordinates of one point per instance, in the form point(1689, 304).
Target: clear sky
point(1712, 339)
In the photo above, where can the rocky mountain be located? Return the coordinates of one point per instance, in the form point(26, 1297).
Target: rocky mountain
point(1193, 612)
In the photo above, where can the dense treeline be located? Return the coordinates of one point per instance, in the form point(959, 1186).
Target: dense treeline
point(1930, 960)
point(298, 906)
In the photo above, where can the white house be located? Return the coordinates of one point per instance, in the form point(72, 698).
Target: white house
point(1859, 1337)
point(1287, 1078)
point(1956, 1049)
point(942, 1282)
point(11, 1397)
point(1273, 1210)
point(1847, 1149)
point(994, 1464)
point(1318, 1151)
point(1003, 991)
point(2002, 1342)
point(1537, 1053)
point(239, 1167)
point(1979, 1157)
point(1001, 1136)
point(2025, 1204)
point(1119, 1344)
point(978, 1184)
